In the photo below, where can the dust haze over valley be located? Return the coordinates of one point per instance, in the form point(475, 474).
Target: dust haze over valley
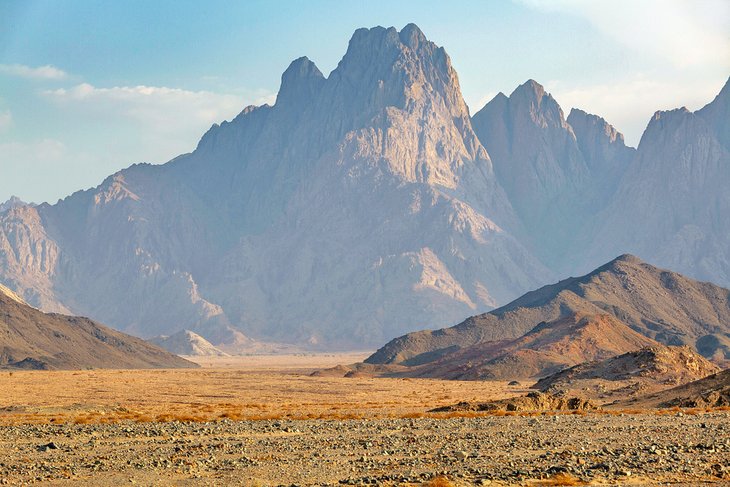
point(366, 282)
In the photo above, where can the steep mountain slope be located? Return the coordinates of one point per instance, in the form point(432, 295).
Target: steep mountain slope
point(672, 206)
point(546, 349)
point(557, 173)
point(32, 339)
point(658, 304)
point(359, 207)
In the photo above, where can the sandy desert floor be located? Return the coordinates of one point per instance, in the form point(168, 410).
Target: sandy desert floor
point(265, 421)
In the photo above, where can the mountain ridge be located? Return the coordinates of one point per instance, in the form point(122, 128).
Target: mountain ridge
point(248, 234)
point(369, 203)
point(32, 339)
point(660, 305)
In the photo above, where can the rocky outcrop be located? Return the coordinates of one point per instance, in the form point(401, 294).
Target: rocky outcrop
point(709, 392)
point(532, 402)
point(650, 368)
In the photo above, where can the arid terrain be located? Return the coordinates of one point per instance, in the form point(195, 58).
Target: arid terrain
point(266, 421)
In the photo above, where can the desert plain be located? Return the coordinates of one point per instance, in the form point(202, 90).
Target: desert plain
point(264, 420)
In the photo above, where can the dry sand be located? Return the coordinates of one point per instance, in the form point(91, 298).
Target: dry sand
point(248, 387)
point(265, 421)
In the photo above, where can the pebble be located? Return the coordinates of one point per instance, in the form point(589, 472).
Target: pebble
point(470, 451)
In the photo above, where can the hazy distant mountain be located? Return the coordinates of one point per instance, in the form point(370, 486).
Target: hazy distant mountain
point(13, 202)
point(557, 173)
point(31, 339)
point(186, 342)
point(621, 306)
point(359, 207)
point(673, 205)
point(364, 205)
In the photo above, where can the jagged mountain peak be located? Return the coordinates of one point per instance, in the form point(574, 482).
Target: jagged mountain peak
point(664, 122)
point(12, 202)
point(589, 125)
point(393, 67)
point(717, 114)
point(529, 103)
point(529, 89)
point(666, 114)
point(301, 80)
point(411, 35)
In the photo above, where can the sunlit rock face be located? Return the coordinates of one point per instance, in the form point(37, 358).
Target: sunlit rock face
point(359, 207)
point(368, 203)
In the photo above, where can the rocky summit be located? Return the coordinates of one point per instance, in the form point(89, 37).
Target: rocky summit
point(368, 203)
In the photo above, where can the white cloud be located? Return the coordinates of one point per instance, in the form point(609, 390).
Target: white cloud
point(629, 104)
point(41, 72)
point(685, 33)
point(161, 109)
point(38, 152)
point(6, 120)
point(44, 169)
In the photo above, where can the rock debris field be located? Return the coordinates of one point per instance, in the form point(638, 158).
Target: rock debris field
point(567, 449)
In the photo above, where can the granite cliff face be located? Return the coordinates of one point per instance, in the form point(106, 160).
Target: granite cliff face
point(358, 207)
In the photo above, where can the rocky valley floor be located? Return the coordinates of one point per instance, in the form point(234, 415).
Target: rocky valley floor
point(260, 424)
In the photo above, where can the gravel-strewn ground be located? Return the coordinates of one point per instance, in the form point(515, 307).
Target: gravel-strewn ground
point(596, 448)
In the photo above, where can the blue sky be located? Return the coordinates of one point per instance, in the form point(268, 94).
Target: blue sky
point(90, 87)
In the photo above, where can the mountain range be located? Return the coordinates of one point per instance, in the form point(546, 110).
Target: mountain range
point(370, 203)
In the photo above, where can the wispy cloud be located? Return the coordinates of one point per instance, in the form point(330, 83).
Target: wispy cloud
point(685, 33)
point(43, 169)
point(42, 152)
point(163, 109)
point(6, 120)
point(47, 72)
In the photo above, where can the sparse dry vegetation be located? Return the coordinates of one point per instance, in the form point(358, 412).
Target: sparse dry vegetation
point(267, 391)
point(562, 478)
point(259, 425)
